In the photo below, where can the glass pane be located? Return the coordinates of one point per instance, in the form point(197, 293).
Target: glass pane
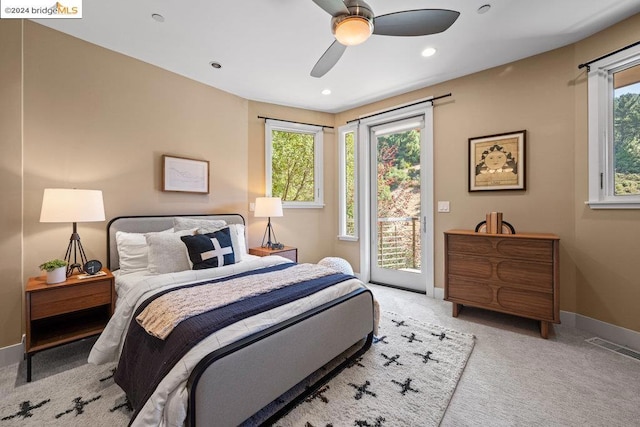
point(626, 131)
point(398, 201)
point(292, 166)
point(350, 181)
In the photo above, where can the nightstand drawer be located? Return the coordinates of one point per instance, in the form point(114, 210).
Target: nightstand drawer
point(291, 254)
point(288, 252)
point(69, 299)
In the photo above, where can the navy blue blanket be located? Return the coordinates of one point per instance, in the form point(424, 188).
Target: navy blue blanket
point(145, 360)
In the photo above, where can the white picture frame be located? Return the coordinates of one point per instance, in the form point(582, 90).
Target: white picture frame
point(185, 175)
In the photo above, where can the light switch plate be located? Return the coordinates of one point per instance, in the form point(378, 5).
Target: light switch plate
point(252, 207)
point(443, 206)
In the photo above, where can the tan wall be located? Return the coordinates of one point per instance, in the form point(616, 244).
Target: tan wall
point(312, 231)
point(532, 94)
point(100, 120)
point(546, 95)
point(607, 241)
point(11, 179)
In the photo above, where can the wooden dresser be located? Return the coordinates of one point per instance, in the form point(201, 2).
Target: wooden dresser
point(511, 273)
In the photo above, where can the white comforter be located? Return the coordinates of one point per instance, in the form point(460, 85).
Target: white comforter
point(168, 404)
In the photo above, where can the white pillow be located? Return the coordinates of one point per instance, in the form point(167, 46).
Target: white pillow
point(133, 252)
point(167, 253)
point(238, 241)
point(210, 225)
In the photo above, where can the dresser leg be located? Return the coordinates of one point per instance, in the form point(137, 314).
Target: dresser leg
point(28, 367)
point(544, 329)
point(455, 309)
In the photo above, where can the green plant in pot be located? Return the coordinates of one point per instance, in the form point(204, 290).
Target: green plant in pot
point(56, 270)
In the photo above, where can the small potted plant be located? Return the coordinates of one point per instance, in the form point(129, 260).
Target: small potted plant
point(56, 270)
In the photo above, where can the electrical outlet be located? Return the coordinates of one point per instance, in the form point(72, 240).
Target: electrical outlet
point(252, 207)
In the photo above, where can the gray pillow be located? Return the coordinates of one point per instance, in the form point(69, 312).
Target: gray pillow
point(167, 253)
point(207, 225)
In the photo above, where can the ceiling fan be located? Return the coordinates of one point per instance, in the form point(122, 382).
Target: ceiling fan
point(353, 22)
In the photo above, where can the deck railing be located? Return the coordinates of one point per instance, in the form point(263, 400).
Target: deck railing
point(398, 243)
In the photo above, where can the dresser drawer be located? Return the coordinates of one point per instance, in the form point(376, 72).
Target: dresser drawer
point(520, 273)
point(537, 305)
point(532, 249)
point(469, 291)
point(469, 266)
point(68, 299)
point(513, 272)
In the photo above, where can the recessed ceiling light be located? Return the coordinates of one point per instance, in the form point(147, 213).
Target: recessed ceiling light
point(326, 91)
point(430, 51)
point(484, 8)
point(157, 17)
point(215, 64)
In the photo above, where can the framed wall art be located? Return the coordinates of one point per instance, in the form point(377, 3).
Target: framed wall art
point(497, 162)
point(186, 175)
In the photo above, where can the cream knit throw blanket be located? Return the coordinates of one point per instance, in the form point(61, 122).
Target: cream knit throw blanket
point(162, 315)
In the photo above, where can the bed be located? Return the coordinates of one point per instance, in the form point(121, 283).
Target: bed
point(239, 369)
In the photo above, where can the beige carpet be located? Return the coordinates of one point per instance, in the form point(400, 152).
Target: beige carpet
point(516, 378)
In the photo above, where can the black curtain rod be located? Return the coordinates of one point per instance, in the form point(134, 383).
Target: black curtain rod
point(398, 108)
point(587, 64)
point(300, 123)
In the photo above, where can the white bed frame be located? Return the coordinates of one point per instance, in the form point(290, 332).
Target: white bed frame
point(232, 383)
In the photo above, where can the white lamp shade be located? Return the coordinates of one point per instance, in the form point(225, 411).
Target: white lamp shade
point(268, 206)
point(71, 205)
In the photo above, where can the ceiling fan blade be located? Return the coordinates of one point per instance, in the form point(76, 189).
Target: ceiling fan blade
point(328, 59)
point(333, 7)
point(419, 22)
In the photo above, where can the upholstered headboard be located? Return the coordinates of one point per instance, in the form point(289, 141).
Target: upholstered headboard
point(146, 224)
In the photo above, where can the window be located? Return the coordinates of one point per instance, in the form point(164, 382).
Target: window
point(614, 131)
point(347, 172)
point(294, 163)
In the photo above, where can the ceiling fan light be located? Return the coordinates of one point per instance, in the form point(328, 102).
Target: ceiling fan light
point(353, 30)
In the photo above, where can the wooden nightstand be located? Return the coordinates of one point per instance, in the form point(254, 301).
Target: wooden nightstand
point(287, 252)
point(60, 313)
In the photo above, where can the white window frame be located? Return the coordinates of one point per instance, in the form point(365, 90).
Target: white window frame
point(601, 169)
point(317, 132)
point(342, 189)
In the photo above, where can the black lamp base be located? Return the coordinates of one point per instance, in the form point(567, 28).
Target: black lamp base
point(268, 232)
point(75, 246)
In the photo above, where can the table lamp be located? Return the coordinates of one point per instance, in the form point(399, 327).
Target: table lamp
point(266, 207)
point(72, 205)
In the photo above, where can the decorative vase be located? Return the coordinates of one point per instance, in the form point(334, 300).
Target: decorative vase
point(57, 276)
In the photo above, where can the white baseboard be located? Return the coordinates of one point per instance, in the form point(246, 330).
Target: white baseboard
point(616, 334)
point(438, 293)
point(11, 354)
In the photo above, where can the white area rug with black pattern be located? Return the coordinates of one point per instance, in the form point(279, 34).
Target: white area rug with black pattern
point(82, 396)
point(407, 378)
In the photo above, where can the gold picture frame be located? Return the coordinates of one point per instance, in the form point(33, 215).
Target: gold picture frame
point(185, 175)
point(497, 162)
